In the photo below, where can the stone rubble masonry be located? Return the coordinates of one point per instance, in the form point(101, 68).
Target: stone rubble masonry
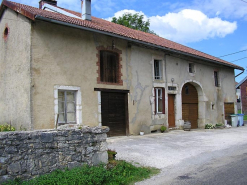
point(29, 154)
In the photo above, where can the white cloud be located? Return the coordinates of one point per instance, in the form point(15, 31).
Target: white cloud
point(227, 8)
point(187, 25)
point(190, 26)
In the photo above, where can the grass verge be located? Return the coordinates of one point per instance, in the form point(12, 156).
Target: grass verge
point(114, 173)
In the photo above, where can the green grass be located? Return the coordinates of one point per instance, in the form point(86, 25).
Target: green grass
point(115, 173)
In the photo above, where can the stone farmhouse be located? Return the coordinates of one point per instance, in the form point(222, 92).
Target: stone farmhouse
point(61, 68)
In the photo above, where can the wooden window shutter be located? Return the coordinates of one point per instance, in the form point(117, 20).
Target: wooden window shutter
point(155, 104)
point(163, 100)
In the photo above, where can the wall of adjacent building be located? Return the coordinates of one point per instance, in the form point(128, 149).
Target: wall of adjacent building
point(243, 89)
point(63, 56)
point(15, 70)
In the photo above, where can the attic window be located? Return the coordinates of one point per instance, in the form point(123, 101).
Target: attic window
point(6, 33)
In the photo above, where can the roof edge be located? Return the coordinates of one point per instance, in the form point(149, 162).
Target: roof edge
point(240, 83)
point(136, 41)
point(18, 9)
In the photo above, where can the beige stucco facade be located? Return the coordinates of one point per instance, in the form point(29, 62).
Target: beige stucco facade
point(15, 75)
point(52, 57)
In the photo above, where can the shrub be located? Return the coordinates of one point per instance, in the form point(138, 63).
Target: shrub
point(209, 126)
point(5, 128)
point(219, 125)
point(162, 129)
point(111, 154)
point(121, 173)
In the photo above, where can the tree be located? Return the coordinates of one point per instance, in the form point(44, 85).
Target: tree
point(134, 21)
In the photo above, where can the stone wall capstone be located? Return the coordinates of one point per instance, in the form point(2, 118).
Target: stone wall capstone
point(32, 153)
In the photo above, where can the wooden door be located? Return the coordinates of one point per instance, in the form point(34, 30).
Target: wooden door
point(171, 110)
point(190, 105)
point(113, 111)
point(229, 109)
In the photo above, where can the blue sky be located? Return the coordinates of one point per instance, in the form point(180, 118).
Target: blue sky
point(216, 27)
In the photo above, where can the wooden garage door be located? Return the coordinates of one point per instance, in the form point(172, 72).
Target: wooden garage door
point(190, 105)
point(229, 109)
point(113, 110)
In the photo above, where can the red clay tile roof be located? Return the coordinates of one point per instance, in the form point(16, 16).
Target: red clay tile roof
point(109, 27)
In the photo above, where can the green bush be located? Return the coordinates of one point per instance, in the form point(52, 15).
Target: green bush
point(209, 126)
point(219, 124)
point(162, 129)
point(5, 128)
point(121, 173)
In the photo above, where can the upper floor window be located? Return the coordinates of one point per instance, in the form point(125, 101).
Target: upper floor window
point(191, 68)
point(157, 69)
point(109, 64)
point(216, 78)
point(159, 100)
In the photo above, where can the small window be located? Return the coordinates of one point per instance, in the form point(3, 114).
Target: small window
point(191, 68)
point(172, 88)
point(157, 69)
point(66, 107)
point(6, 33)
point(216, 79)
point(109, 67)
point(213, 106)
point(159, 100)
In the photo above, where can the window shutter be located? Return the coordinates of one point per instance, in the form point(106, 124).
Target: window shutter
point(155, 104)
point(163, 100)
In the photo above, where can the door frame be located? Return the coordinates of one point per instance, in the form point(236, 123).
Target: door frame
point(125, 92)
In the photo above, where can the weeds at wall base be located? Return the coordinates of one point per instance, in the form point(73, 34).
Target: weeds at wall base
point(114, 173)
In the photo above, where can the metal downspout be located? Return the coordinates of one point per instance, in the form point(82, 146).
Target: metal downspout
point(239, 74)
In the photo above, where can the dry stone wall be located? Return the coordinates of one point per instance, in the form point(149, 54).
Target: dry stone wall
point(29, 154)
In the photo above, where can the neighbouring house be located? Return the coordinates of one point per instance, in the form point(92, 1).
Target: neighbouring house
point(67, 69)
point(241, 89)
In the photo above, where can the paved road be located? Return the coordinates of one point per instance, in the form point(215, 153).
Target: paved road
point(195, 157)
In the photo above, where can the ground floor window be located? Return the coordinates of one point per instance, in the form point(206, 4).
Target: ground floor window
point(67, 105)
point(159, 100)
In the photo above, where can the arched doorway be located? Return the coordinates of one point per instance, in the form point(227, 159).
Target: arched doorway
point(190, 104)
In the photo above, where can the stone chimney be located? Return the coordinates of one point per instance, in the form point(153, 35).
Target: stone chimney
point(51, 2)
point(86, 10)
